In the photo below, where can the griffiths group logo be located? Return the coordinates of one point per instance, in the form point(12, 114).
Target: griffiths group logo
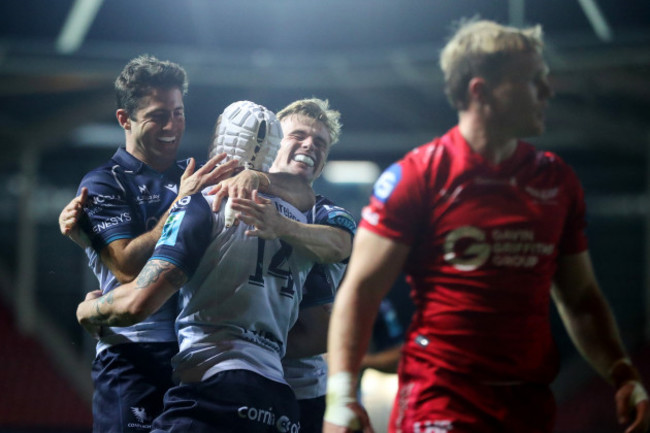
point(467, 248)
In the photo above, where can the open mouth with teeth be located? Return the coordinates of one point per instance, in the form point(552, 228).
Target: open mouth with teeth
point(308, 160)
point(167, 139)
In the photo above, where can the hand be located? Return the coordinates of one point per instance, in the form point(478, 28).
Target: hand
point(240, 186)
point(262, 214)
point(193, 182)
point(630, 399)
point(69, 218)
point(362, 416)
point(93, 329)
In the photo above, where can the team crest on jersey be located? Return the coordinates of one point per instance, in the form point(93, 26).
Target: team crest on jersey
point(387, 182)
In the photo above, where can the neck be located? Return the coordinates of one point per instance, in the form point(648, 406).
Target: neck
point(155, 163)
point(488, 142)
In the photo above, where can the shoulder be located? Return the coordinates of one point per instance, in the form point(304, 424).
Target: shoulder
point(193, 203)
point(328, 213)
point(549, 162)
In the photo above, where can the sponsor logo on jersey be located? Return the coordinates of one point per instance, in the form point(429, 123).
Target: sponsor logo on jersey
point(387, 182)
point(441, 426)
point(370, 216)
point(154, 198)
point(468, 248)
point(339, 217)
point(182, 202)
point(101, 199)
point(285, 211)
point(266, 416)
point(143, 421)
point(170, 229)
point(122, 218)
point(172, 187)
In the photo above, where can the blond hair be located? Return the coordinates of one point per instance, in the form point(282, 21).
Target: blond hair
point(317, 109)
point(482, 48)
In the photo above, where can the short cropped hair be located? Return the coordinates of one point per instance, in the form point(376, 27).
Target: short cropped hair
point(482, 48)
point(316, 109)
point(143, 74)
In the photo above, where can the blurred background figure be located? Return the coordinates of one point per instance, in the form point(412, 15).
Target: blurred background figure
point(466, 217)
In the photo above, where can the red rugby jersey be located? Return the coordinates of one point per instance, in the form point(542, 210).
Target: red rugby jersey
point(484, 244)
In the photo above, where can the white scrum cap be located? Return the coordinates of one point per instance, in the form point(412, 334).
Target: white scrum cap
point(248, 132)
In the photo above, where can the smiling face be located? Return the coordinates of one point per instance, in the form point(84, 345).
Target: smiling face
point(304, 148)
point(154, 131)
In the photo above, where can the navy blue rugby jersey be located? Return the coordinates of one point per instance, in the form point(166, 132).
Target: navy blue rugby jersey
point(126, 198)
point(324, 279)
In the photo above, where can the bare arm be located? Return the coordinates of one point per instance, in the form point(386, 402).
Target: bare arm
point(132, 302)
point(308, 337)
point(126, 257)
point(321, 243)
point(374, 265)
point(70, 215)
point(592, 328)
point(291, 188)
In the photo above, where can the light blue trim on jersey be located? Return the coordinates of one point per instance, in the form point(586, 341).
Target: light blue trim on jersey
point(117, 237)
point(170, 229)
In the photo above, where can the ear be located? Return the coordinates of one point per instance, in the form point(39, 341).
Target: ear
point(476, 89)
point(123, 118)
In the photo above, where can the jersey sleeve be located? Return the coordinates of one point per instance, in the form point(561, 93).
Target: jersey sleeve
point(108, 215)
point(321, 284)
point(186, 234)
point(329, 214)
point(398, 201)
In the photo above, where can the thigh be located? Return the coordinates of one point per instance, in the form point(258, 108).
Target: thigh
point(130, 382)
point(231, 401)
point(312, 411)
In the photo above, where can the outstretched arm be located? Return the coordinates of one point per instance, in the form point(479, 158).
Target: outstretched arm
point(374, 265)
point(130, 303)
point(592, 327)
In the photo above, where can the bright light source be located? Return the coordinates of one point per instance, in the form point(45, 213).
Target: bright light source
point(76, 25)
point(597, 20)
point(351, 172)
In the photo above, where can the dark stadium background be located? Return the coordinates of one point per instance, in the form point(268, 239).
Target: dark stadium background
point(376, 61)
